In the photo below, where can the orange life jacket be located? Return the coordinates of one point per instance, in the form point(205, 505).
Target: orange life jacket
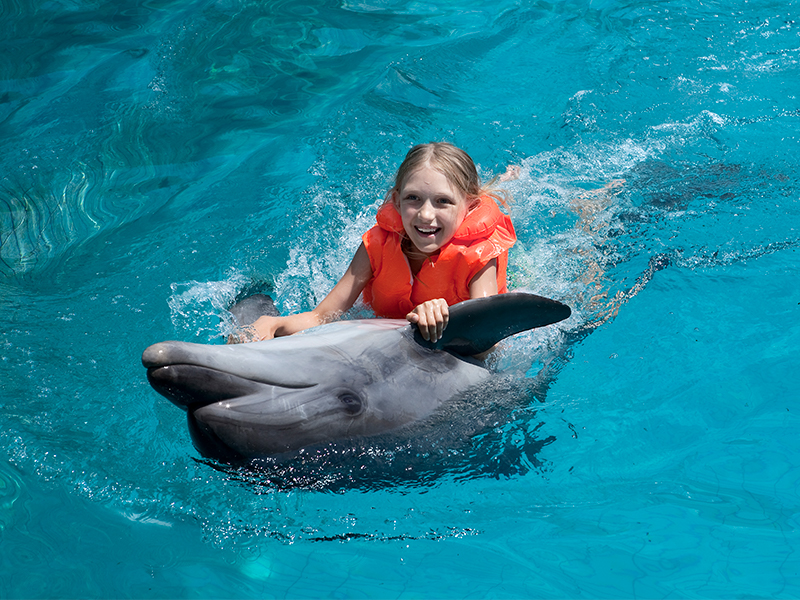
point(393, 291)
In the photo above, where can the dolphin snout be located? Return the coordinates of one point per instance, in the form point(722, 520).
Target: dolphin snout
point(156, 355)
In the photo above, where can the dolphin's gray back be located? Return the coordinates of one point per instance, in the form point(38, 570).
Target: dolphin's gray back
point(350, 389)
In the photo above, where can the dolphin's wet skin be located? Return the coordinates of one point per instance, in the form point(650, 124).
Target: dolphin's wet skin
point(338, 383)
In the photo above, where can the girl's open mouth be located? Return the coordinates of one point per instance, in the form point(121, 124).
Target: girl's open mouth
point(428, 230)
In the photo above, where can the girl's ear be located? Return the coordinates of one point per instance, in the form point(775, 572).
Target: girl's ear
point(391, 197)
point(473, 203)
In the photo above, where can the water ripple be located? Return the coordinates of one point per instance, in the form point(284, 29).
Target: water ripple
point(10, 491)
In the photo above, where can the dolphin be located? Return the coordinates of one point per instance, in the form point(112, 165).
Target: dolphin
point(341, 381)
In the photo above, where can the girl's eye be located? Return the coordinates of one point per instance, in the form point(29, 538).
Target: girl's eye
point(444, 201)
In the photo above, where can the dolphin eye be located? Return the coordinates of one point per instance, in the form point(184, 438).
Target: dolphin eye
point(351, 403)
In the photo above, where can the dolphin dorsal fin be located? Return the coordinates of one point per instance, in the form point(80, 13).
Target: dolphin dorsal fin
point(478, 324)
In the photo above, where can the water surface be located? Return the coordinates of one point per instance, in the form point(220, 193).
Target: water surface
point(160, 158)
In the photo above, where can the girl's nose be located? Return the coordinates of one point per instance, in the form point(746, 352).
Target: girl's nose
point(426, 211)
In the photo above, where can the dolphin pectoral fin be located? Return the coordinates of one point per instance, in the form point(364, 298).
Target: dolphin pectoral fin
point(248, 310)
point(478, 324)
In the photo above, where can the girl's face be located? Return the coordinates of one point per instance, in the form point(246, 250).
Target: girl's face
point(431, 209)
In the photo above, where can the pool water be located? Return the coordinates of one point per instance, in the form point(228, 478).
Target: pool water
point(161, 158)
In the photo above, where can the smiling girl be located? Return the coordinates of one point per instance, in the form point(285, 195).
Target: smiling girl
point(440, 239)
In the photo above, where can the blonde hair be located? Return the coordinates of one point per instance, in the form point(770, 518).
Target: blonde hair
point(453, 163)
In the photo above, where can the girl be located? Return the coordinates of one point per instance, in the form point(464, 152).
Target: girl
point(440, 239)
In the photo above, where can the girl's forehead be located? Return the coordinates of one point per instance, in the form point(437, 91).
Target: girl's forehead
point(419, 171)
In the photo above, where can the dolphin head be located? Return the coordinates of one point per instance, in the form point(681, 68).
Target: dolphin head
point(334, 382)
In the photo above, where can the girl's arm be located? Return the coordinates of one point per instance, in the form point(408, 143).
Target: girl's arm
point(485, 281)
point(432, 316)
point(341, 298)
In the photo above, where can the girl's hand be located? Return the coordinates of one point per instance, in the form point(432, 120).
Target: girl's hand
point(243, 335)
point(431, 317)
point(266, 327)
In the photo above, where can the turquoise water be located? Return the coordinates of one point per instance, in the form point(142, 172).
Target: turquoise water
point(160, 158)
